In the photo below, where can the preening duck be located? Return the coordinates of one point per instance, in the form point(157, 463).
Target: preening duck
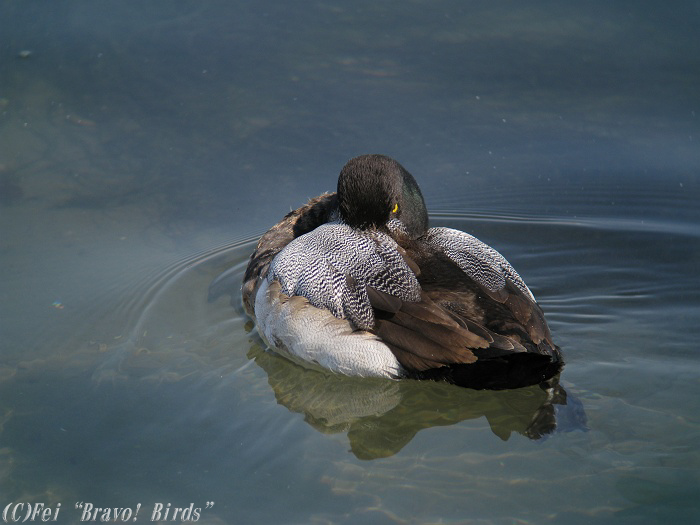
point(357, 283)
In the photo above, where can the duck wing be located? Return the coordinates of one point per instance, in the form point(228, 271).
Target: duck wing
point(512, 308)
point(476, 325)
point(421, 334)
point(432, 342)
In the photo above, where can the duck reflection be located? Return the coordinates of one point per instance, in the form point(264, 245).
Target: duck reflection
point(382, 416)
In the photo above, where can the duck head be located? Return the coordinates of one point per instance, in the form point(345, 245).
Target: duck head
point(373, 189)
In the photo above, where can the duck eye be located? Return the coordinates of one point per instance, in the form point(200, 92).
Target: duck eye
point(396, 208)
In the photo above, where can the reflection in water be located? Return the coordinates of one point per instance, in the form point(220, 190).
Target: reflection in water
point(382, 416)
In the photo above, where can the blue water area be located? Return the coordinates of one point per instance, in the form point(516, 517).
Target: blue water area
point(144, 147)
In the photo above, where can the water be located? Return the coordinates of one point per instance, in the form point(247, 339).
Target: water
point(144, 147)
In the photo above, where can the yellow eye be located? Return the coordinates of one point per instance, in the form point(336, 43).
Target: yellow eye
point(396, 208)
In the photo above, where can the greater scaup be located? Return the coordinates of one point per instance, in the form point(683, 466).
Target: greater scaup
point(357, 283)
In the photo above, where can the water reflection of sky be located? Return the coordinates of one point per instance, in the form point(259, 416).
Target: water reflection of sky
point(138, 139)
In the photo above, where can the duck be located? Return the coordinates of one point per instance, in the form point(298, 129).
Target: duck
point(357, 283)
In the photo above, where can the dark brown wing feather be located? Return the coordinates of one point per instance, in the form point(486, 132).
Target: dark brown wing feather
point(420, 334)
point(508, 312)
point(462, 332)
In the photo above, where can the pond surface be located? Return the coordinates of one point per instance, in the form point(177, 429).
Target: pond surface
point(145, 146)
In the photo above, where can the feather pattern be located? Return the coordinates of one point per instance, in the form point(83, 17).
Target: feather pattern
point(477, 259)
point(333, 265)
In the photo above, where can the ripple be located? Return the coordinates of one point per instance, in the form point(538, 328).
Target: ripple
point(175, 328)
point(607, 223)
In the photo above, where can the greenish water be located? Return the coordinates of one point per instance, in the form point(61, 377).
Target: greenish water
point(145, 146)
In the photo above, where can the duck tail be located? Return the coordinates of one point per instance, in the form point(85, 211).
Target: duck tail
point(515, 370)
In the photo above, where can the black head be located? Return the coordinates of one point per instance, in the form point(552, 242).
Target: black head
point(375, 188)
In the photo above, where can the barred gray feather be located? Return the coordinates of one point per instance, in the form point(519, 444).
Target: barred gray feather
point(478, 260)
point(332, 266)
